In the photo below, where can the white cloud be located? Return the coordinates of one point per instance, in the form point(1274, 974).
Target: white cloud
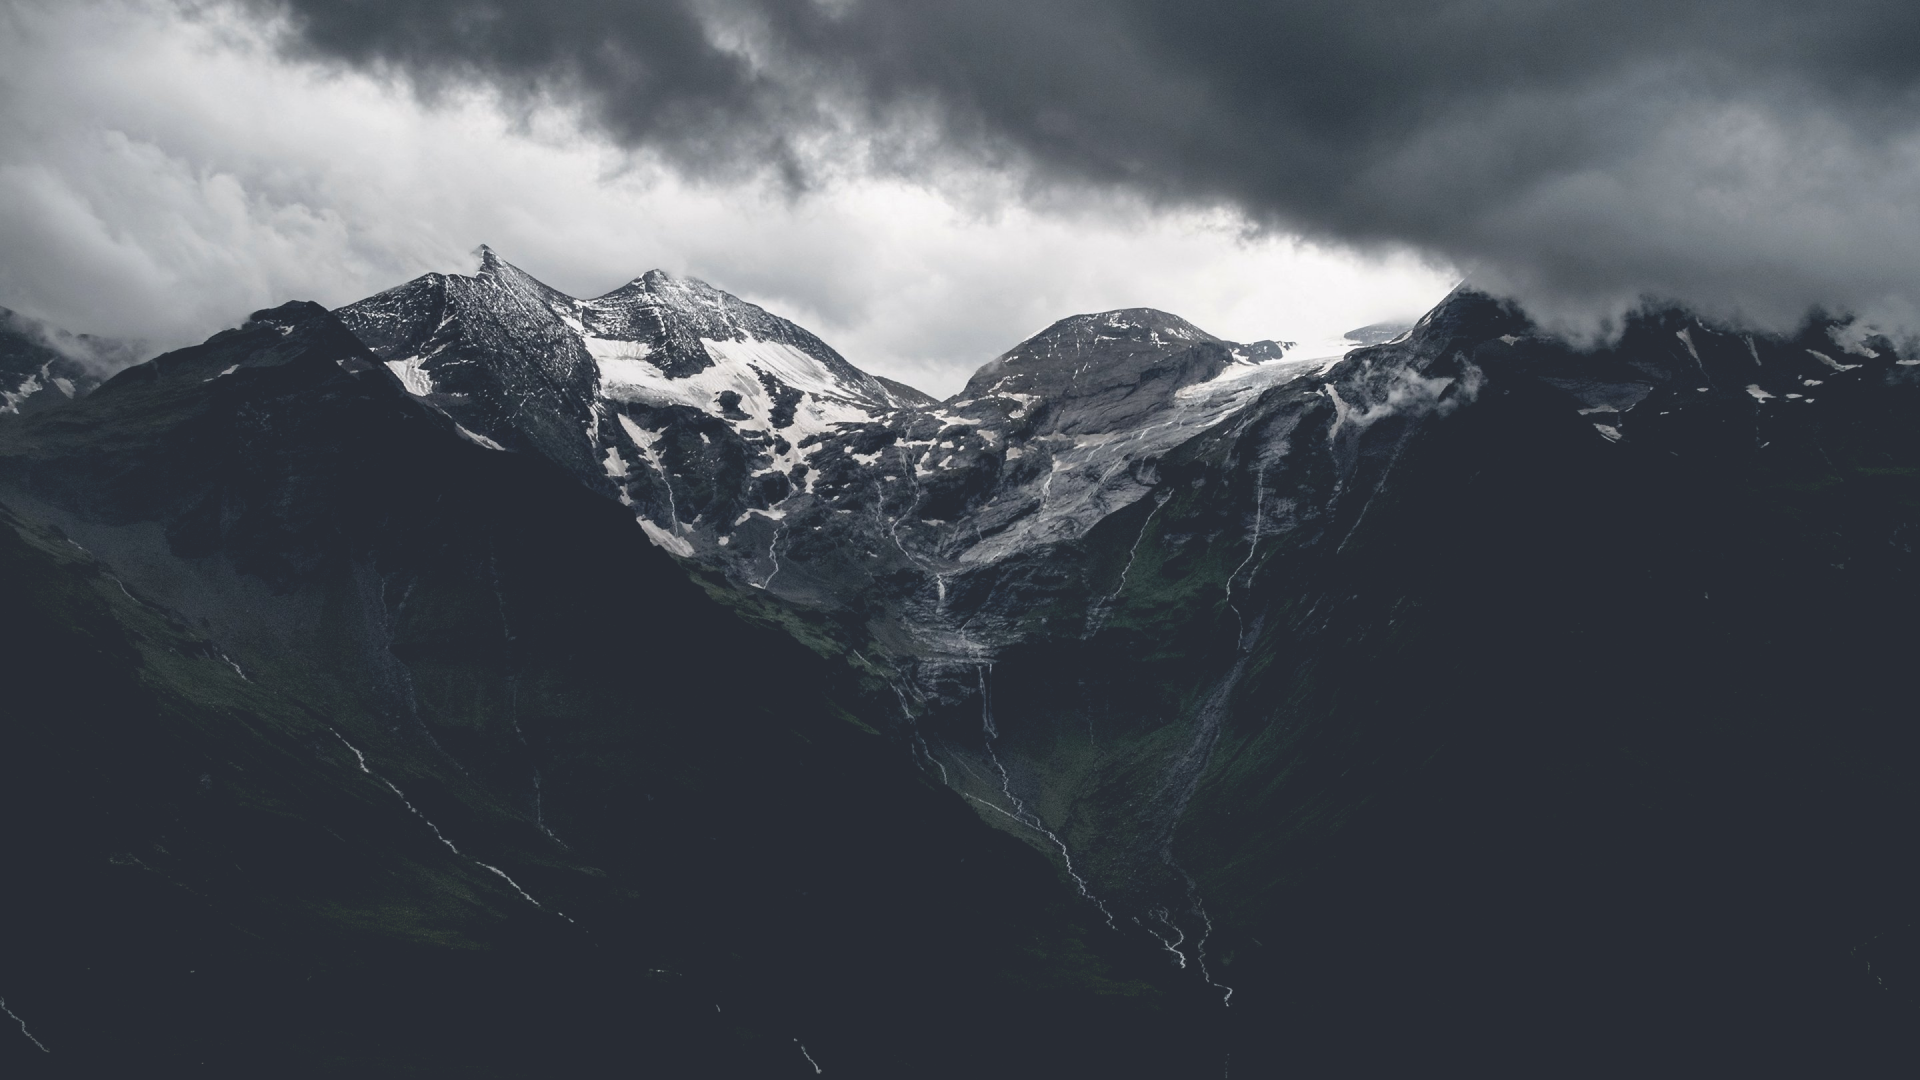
point(161, 176)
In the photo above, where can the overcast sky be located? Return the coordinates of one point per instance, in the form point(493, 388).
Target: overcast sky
point(926, 182)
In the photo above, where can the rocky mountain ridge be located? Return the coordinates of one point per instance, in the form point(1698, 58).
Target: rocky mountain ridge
point(747, 444)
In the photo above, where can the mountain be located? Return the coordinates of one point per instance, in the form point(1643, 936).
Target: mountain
point(1495, 693)
point(38, 366)
point(1237, 640)
point(627, 388)
point(744, 442)
point(339, 742)
point(1158, 705)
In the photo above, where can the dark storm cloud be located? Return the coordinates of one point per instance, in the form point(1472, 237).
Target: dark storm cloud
point(1752, 156)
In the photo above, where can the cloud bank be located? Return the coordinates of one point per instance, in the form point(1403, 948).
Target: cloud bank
point(1751, 157)
point(164, 170)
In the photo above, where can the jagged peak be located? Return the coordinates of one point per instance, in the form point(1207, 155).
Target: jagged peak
point(504, 272)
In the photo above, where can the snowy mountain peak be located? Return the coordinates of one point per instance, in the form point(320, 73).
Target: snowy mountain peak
point(741, 440)
point(1109, 370)
point(687, 326)
point(663, 376)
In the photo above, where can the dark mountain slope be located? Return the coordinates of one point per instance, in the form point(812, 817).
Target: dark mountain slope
point(1498, 706)
point(635, 832)
point(1539, 707)
point(1472, 703)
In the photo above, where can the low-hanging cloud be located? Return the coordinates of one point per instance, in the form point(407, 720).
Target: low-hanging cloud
point(1753, 157)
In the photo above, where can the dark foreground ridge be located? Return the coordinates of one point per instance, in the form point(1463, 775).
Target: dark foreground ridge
point(338, 744)
point(1156, 706)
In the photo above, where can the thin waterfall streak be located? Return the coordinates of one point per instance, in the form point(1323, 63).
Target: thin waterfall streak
point(1026, 819)
point(773, 553)
point(527, 896)
point(1100, 609)
point(230, 663)
point(1003, 813)
point(817, 1070)
point(986, 703)
point(914, 726)
point(362, 758)
point(893, 526)
point(1020, 812)
point(659, 463)
point(1253, 546)
point(437, 834)
point(123, 587)
point(539, 813)
point(1200, 946)
point(539, 807)
point(1171, 946)
point(1134, 551)
point(23, 1027)
point(442, 837)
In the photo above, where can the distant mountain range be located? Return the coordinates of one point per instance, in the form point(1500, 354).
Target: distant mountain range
point(480, 680)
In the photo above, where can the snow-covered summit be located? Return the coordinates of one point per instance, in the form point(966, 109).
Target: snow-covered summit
point(665, 376)
point(742, 441)
point(1098, 345)
point(1109, 371)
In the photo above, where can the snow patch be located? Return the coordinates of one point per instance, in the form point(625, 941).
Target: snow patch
point(412, 375)
point(663, 539)
point(477, 439)
point(1686, 338)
